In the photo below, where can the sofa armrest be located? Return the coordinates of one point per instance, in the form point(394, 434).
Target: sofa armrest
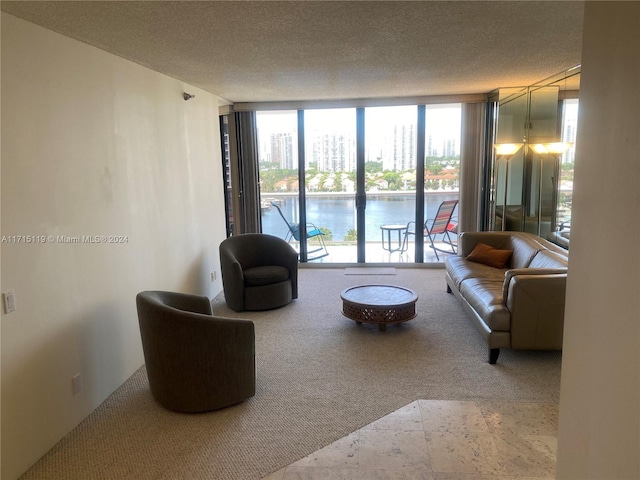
point(536, 301)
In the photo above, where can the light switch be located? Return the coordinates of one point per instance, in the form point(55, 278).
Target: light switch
point(9, 298)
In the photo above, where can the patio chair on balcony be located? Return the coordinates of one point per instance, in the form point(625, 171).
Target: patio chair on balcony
point(452, 234)
point(315, 236)
point(442, 229)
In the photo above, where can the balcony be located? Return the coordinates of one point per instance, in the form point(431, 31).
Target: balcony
point(341, 253)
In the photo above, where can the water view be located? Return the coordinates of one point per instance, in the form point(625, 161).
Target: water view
point(336, 214)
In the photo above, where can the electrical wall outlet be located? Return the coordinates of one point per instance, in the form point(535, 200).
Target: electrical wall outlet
point(9, 300)
point(214, 275)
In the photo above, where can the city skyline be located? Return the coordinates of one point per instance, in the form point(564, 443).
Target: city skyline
point(390, 133)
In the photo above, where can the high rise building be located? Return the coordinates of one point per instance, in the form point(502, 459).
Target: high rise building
point(449, 149)
point(282, 150)
point(399, 152)
point(332, 152)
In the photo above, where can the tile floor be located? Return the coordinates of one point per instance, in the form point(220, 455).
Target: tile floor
point(441, 440)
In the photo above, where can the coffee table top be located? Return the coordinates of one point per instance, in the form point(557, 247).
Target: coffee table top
point(379, 295)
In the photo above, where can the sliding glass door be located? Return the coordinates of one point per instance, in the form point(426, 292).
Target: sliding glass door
point(390, 161)
point(330, 173)
point(443, 124)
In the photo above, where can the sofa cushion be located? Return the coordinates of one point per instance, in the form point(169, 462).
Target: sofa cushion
point(548, 259)
point(485, 297)
point(459, 269)
point(524, 249)
point(488, 255)
point(259, 276)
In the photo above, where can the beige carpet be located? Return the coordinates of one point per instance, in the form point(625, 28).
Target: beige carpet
point(369, 271)
point(319, 377)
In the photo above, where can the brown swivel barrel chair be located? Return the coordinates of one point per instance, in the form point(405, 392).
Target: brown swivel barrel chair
point(195, 362)
point(259, 272)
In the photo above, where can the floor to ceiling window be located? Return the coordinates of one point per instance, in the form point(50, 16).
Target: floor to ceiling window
point(328, 158)
point(226, 171)
point(390, 162)
point(442, 170)
point(330, 169)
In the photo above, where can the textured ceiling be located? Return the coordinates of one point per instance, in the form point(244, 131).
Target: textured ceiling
point(248, 51)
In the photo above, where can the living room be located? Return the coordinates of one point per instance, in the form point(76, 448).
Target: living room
point(98, 146)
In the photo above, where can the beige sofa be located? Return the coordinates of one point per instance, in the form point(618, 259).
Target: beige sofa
point(519, 306)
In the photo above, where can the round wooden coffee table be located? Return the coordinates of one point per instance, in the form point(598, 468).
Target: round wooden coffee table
point(379, 304)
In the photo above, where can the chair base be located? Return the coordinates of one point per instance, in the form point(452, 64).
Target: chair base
point(322, 249)
point(318, 251)
point(268, 297)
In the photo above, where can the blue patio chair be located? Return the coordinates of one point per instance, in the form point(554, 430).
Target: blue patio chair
point(319, 249)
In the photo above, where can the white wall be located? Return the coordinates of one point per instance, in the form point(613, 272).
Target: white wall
point(93, 145)
point(599, 432)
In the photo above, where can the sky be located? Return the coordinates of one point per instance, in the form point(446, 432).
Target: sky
point(443, 121)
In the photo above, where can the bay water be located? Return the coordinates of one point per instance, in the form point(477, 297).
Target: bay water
point(337, 213)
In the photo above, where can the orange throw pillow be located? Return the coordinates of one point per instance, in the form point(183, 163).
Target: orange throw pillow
point(488, 255)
